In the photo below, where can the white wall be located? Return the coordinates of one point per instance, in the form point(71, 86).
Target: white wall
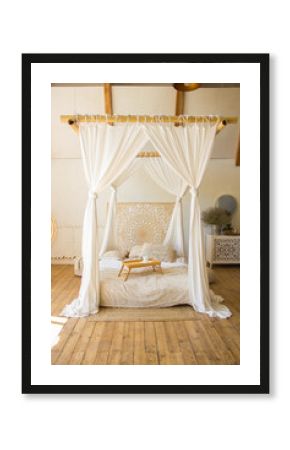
point(68, 184)
point(219, 101)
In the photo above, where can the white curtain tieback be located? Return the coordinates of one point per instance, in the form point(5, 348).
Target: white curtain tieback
point(194, 192)
point(93, 194)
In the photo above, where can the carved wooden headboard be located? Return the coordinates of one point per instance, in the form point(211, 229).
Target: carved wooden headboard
point(142, 222)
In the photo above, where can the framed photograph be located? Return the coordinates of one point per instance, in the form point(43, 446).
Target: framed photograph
point(145, 223)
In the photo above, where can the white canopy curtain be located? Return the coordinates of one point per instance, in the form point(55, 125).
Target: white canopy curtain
point(170, 181)
point(161, 173)
point(109, 241)
point(187, 150)
point(107, 152)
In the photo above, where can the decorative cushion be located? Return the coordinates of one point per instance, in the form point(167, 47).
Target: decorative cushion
point(181, 260)
point(136, 251)
point(158, 251)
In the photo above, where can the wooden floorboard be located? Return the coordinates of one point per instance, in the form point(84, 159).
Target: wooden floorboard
point(151, 343)
point(140, 356)
point(127, 355)
point(201, 341)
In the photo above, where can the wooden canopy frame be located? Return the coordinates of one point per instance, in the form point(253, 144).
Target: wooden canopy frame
point(73, 121)
point(109, 118)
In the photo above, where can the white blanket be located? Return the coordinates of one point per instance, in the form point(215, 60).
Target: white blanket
point(144, 288)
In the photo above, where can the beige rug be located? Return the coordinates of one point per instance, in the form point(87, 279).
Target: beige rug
point(144, 314)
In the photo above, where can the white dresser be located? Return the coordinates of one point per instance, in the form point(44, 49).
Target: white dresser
point(221, 249)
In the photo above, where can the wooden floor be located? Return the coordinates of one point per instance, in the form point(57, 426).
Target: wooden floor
point(200, 341)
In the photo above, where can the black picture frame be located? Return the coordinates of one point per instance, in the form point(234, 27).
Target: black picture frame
point(27, 61)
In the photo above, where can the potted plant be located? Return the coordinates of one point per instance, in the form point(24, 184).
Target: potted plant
point(217, 218)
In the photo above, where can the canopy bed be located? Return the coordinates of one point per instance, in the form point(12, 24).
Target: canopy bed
point(109, 157)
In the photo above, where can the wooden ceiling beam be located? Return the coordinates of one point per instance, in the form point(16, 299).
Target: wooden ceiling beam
point(179, 107)
point(179, 103)
point(108, 99)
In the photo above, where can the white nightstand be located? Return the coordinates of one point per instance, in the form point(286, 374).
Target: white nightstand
point(222, 249)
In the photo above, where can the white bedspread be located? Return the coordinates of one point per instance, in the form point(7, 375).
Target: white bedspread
point(144, 288)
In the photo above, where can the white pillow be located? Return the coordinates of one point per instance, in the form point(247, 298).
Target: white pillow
point(136, 251)
point(158, 251)
point(112, 254)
